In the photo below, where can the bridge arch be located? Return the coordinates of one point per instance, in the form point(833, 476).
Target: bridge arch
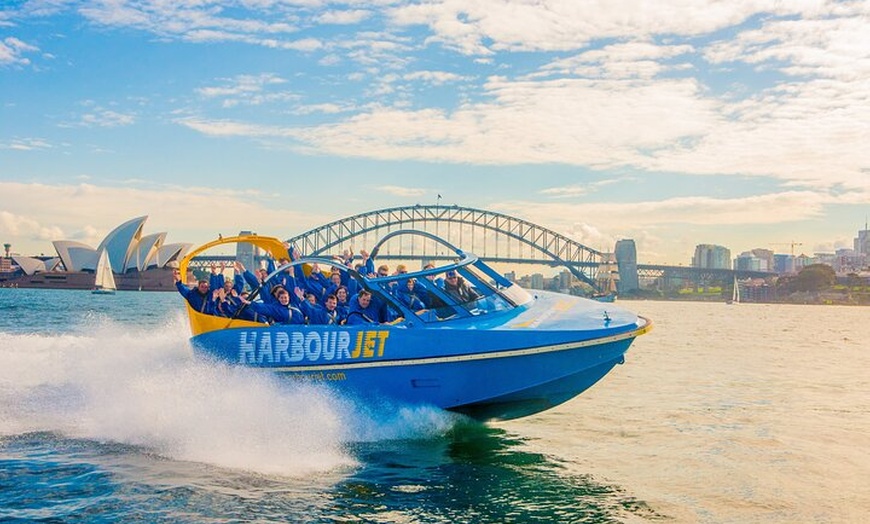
point(581, 260)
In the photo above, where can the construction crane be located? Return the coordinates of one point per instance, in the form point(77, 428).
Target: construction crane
point(792, 244)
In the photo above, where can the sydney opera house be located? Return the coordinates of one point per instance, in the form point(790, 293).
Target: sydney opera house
point(138, 262)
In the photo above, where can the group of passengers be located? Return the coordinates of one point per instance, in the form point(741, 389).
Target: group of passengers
point(294, 297)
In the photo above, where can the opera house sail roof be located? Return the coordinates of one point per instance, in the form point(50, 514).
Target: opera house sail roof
point(126, 247)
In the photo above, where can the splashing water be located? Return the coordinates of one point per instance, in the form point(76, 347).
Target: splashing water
point(144, 387)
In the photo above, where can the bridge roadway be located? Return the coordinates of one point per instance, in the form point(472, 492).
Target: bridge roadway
point(494, 237)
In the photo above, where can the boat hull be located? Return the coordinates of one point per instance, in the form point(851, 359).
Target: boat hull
point(486, 374)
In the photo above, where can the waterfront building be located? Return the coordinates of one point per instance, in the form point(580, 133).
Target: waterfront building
point(536, 281)
point(784, 264)
point(802, 261)
point(766, 257)
point(139, 262)
point(626, 260)
point(749, 262)
point(848, 261)
point(565, 280)
point(711, 256)
point(862, 242)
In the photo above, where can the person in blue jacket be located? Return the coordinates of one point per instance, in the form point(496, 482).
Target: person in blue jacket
point(216, 278)
point(411, 296)
point(280, 311)
point(327, 314)
point(234, 307)
point(315, 283)
point(362, 310)
point(343, 297)
point(258, 281)
point(199, 297)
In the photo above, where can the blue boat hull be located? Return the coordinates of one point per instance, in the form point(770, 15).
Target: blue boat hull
point(486, 374)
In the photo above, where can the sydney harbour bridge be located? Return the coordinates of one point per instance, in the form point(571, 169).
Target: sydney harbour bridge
point(494, 237)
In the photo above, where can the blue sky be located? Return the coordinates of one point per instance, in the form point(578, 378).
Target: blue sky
point(741, 123)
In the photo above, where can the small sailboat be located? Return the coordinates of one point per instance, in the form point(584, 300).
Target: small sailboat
point(104, 280)
point(735, 293)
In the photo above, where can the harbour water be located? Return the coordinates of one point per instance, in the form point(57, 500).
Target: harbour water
point(740, 413)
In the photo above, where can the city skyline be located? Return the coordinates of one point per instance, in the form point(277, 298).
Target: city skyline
point(670, 123)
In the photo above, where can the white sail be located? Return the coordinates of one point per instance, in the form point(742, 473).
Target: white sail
point(735, 294)
point(104, 281)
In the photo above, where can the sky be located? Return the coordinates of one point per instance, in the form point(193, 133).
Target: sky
point(743, 123)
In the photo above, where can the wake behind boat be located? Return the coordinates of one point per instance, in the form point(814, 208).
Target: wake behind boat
point(493, 352)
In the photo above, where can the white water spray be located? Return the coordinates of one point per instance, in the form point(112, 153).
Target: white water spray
point(145, 388)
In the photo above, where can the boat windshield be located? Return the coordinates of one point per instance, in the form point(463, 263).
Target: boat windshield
point(462, 292)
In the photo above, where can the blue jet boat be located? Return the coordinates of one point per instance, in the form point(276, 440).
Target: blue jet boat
point(505, 354)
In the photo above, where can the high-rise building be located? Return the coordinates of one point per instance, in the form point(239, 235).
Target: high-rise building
point(749, 262)
point(766, 257)
point(245, 253)
point(711, 256)
point(862, 241)
point(783, 264)
point(565, 277)
point(626, 260)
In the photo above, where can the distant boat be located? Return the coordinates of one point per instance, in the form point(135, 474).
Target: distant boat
point(608, 276)
point(104, 280)
point(735, 293)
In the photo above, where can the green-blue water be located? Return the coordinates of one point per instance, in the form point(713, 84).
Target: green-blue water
point(721, 414)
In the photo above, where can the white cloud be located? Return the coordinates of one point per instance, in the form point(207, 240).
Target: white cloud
point(434, 77)
point(26, 144)
point(402, 191)
point(626, 60)
point(327, 109)
point(562, 25)
point(565, 192)
point(196, 20)
point(15, 225)
point(619, 106)
point(187, 213)
point(353, 16)
point(12, 51)
point(665, 228)
point(248, 90)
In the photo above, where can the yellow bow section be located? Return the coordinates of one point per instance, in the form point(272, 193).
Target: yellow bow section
point(202, 323)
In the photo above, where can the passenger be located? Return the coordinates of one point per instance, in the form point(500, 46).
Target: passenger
point(255, 280)
point(287, 278)
point(431, 278)
point(199, 297)
point(224, 300)
point(315, 283)
point(327, 314)
point(346, 257)
point(362, 310)
point(334, 282)
point(216, 279)
point(343, 303)
point(410, 296)
point(368, 265)
point(280, 311)
point(235, 308)
point(458, 288)
point(311, 299)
